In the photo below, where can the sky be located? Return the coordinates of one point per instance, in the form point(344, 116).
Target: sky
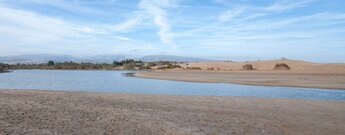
point(312, 30)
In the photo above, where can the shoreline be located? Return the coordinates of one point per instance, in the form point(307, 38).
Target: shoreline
point(59, 112)
point(6, 71)
point(334, 81)
point(172, 95)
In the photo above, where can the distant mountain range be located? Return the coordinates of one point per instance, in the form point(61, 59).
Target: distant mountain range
point(42, 58)
point(35, 58)
point(150, 58)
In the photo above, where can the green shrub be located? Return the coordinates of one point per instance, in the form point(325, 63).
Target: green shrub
point(51, 63)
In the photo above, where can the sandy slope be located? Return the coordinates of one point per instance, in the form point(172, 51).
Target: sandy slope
point(44, 112)
point(302, 74)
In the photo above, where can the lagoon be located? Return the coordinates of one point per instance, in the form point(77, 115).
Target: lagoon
point(118, 82)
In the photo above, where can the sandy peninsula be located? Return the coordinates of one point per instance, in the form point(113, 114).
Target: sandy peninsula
point(301, 74)
point(53, 112)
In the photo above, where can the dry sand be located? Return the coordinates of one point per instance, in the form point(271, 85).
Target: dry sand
point(296, 66)
point(302, 74)
point(51, 112)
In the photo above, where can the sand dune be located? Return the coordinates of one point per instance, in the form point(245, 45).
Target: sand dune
point(296, 66)
point(302, 74)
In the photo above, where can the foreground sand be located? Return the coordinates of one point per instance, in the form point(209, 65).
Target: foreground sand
point(51, 112)
point(267, 78)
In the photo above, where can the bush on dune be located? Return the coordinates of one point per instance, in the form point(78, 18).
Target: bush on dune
point(282, 66)
point(194, 68)
point(170, 66)
point(210, 68)
point(248, 67)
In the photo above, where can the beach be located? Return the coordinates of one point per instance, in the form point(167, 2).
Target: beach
point(57, 112)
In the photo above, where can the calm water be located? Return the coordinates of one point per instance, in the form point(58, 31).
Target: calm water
point(115, 81)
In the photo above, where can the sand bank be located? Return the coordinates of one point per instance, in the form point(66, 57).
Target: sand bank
point(265, 78)
point(51, 112)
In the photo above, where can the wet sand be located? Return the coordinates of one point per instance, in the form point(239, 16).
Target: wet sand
point(53, 112)
point(265, 78)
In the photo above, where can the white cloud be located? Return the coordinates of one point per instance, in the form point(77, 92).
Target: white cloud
point(156, 9)
point(130, 23)
point(25, 30)
point(151, 10)
point(28, 26)
point(231, 14)
point(123, 38)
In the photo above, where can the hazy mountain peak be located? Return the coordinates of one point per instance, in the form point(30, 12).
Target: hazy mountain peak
point(150, 58)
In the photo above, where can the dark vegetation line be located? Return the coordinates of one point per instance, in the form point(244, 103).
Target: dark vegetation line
point(128, 64)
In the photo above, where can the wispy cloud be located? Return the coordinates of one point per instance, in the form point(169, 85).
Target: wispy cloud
point(32, 31)
point(137, 19)
point(288, 5)
point(150, 10)
point(156, 9)
point(123, 38)
point(30, 26)
point(73, 6)
point(231, 14)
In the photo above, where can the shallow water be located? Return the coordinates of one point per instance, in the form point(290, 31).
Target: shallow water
point(116, 81)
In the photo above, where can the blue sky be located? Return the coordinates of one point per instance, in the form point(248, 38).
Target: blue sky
point(311, 30)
